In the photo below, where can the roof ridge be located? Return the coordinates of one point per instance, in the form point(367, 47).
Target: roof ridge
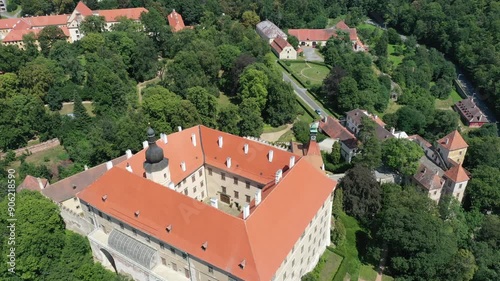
point(251, 248)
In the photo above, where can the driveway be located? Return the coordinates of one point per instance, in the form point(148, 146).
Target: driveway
point(301, 92)
point(311, 54)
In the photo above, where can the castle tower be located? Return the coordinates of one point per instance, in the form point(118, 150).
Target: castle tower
point(456, 182)
point(452, 148)
point(156, 165)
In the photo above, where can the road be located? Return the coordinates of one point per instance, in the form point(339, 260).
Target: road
point(301, 92)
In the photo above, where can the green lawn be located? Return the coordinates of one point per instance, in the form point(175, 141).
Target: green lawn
point(288, 136)
point(348, 249)
point(391, 108)
point(366, 26)
point(68, 108)
point(49, 156)
point(270, 129)
point(449, 102)
point(396, 60)
point(223, 99)
point(313, 73)
point(367, 273)
point(331, 265)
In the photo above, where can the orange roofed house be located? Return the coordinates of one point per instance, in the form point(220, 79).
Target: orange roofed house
point(440, 171)
point(13, 30)
point(200, 204)
point(176, 22)
point(319, 37)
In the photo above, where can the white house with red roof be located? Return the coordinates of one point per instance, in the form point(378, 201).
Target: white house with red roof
point(283, 49)
point(440, 171)
point(13, 30)
point(200, 204)
point(319, 37)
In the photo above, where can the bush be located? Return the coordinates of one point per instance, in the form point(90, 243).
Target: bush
point(338, 233)
point(11, 7)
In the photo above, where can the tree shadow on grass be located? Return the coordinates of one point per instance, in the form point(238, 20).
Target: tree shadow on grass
point(364, 245)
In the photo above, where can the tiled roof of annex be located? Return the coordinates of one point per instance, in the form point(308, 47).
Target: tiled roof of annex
point(262, 240)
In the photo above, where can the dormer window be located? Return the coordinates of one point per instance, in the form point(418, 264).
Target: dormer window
point(204, 246)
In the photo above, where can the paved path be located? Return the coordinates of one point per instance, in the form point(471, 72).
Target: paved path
point(272, 137)
point(310, 54)
point(301, 92)
point(382, 265)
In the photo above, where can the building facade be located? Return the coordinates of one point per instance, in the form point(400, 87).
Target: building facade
point(269, 31)
point(283, 49)
point(222, 208)
point(13, 30)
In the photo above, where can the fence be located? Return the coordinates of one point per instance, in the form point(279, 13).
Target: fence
point(35, 148)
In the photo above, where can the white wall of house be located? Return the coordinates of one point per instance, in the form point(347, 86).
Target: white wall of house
point(288, 53)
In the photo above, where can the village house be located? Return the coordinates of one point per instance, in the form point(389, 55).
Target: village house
point(319, 37)
point(283, 49)
point(354, 120)
point(176, 22)
point(336, 132)
point(470, 113)
point(200, 204)
point(440, 172)
point(12, 30)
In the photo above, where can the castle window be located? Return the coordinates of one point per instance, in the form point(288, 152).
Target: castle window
point(172, 250)
point(186, 191)
point(193, 178)
point(200, 172)
point(236, 194)
point(209, 171)
point(210, 269)
point(223, 176)
point(248, 184)
point(162, 246)
point(194, 189)
point(460, 186)
point(235, 180)
point(223, 189)
point(202, 183)
point(247, 198)
point(163, 261)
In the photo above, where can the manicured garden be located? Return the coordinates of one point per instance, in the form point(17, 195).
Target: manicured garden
point(310, 73)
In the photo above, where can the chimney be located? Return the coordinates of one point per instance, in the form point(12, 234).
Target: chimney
point(245, 148)
point(214, 202)
point(171, 185)
point(145, 144)
point(128, 168)
point(183, 166)
point(270, 155)
point(228, 162)
point(85, 167)
point(220, 142)
point(393, 130)
point(128, 153)
point(447, 141)
point(40, 184)
point(258, 197)
point(323, 167)
point(292, 162)
point(424, 170)
point(246, 211)
point(109, 165)
point(278, 176)
point(163, 137)
point(193, 139)
point(375, 116)
point(179, 128)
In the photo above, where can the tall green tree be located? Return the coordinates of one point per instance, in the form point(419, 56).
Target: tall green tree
point(228, 119)
point(402, 155)
point(93, 24)
point(361, 193)
point(205, 103)
point(48, 36)
point(251, 123)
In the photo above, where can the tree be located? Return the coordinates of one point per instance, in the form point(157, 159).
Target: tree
point(483, 189)
point(251, 123)
point(9, 84)
point(380, 49)
point(371, 148)
point(228, 119)
point(301, 131)
point(79, 111)
point(39, 76)
point(393, 36)
point(93, 24)
point(410, 120)
point(156, 27)
point(281, 104)
point(228, 54)
point(39, 235)
point(421, 246)
point(335, 153)
point(48, 36)
point(253, 84)
point(361, 193)
point(250, 18)
point(337, 205)
point(402, 155)
point(293, 41)
point(205, 103)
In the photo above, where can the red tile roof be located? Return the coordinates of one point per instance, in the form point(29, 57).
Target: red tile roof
point(312, 34)
point(114, 15)
point(8, 23)
point(453, 141)
point(41, 21)
point(17, 35)
point(457, 174)
point(83, 9)
point(263, 240)
point(21, 24)
point(341, 25)
point(420, 141)
point(332, 127)
point(33, 183)
point(279, 44)
point(68, 188)
point(175, 21)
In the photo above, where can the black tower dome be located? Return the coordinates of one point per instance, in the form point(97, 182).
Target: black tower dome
point(154, 154)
